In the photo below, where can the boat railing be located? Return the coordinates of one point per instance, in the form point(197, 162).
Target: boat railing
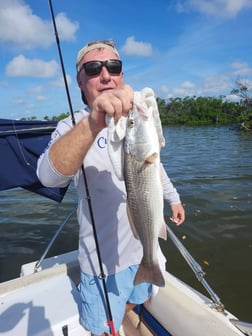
point(197, 269)
point(38, 264)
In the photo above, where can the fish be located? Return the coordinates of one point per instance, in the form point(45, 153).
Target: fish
point(142, 174)
point(134, 145)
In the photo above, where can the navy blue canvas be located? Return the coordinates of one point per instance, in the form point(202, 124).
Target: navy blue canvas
point(21, 143)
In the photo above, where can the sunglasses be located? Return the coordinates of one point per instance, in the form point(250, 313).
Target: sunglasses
point(93, 68)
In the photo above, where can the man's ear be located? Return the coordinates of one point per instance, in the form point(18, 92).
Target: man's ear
point(83, 97)
point(78, 80)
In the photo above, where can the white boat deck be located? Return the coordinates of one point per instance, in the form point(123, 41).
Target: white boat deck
point(47, 303)
point(46, 306)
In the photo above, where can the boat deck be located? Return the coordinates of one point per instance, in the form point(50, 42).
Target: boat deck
point(47, 303)
point(54, 308)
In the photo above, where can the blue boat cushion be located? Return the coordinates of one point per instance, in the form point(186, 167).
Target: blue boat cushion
point(150, 322)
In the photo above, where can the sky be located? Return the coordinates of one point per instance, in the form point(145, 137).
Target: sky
point(178, 48)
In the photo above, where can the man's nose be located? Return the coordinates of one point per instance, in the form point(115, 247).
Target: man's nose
point(105, 75)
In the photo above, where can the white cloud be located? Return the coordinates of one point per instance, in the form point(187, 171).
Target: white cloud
point(163, 91)
point(21, 66)
point(35, 89)
point(19, 101)
point(132, 47)
point(187, 85)
point(186, 88)
point(224, 8)
point(41, 98)
point(65, 27)
point(214, 85)
point(180, 7)
point(241, 69)
point(23, 29)
point(232, 98)
point(210, 86)
point(59, 82)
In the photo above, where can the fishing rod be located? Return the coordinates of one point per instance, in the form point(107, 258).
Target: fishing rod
point(102, 276)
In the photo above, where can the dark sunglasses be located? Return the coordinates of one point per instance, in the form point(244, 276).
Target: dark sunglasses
point(92, 68)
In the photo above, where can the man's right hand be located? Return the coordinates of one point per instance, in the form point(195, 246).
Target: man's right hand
point(114, 103)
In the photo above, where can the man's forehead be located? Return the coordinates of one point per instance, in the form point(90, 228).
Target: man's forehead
point(100, 54)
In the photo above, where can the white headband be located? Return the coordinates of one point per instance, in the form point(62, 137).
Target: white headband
point(88, 47)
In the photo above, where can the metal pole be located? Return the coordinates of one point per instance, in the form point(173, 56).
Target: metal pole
point(196, 268)
point(38, 263)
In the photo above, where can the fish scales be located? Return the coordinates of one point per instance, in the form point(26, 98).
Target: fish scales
point(145, 215)
point(143, 190)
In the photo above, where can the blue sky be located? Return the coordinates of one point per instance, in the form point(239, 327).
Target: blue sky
point(179, 48)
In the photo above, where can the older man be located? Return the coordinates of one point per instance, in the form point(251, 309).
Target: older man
point(100, 78)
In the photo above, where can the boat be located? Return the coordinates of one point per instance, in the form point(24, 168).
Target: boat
point(44, 300)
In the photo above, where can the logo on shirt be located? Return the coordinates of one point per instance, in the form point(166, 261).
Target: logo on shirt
point(102, 142)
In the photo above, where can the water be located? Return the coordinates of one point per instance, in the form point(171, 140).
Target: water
point(212, 169)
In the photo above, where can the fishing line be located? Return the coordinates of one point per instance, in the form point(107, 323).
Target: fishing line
point(102, 276)
point(20, 145)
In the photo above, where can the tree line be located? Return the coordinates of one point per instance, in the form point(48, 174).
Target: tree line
point(209, 110)
point(195, 111)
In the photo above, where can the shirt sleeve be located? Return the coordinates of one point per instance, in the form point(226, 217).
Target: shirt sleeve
point(48, 175)
point(170, 193)
point(46, 172)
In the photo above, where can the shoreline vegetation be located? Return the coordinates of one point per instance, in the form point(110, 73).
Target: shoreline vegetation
point(198, 111)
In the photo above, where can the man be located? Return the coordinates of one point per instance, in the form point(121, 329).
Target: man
point(100, 78)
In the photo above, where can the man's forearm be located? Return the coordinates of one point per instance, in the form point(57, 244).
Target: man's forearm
point(67, 153)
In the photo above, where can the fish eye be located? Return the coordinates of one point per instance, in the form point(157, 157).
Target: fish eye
point(131, 122)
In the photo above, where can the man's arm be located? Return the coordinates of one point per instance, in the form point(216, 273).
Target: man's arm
point(67, 153)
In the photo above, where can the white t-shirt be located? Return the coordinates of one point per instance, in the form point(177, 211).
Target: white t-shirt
point(118, 246)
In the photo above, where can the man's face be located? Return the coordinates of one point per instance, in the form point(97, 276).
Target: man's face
point(93, 86)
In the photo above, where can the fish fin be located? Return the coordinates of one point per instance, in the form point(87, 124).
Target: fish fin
point(149, 273)
point(163, 231)
point(151, 158)
point(133, 228)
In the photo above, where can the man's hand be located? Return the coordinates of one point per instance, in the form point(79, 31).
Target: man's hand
point(178, 213)
point(114, 103)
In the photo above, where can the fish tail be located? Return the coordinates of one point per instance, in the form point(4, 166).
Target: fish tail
point(149, 273)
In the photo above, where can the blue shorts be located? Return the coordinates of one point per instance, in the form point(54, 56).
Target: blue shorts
point(121, 290)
